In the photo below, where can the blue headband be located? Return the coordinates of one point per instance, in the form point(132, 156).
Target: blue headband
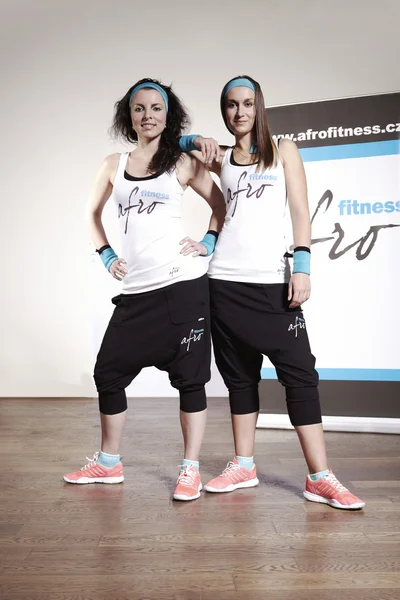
point(152, 85)
point(239, 82)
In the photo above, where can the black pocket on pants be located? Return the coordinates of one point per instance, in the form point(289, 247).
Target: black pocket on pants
point(120, 310)
point(188, 300)
point(277, 297)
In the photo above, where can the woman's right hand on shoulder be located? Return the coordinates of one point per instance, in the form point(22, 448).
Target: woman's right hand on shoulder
point(209, 149)
point(118, 270)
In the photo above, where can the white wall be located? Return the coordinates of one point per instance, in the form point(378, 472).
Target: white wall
point(64, 64)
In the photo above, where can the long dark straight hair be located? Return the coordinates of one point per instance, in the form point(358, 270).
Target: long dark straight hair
point(168, 153)
point(267, 152)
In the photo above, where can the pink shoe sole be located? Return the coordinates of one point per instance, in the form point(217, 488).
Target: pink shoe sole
point(332, 502)
point(82, 480)
point(233, 486)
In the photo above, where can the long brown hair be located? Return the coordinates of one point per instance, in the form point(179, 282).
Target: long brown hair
point(267, 152)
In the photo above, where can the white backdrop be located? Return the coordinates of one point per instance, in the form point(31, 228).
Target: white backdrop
point(63, 66)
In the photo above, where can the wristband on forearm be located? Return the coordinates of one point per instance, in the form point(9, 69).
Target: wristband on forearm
point(301, 260)
point(107, 256)
point(186, 142)
point(209, 241)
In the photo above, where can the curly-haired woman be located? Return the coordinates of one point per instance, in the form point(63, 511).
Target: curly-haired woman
point(161, 317)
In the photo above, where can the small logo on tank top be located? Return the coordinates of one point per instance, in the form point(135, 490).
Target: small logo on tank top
point(299, 323)
point(195, 335)
point(174, 271)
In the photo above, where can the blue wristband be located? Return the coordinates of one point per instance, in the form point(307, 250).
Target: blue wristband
point(209, 241)
point(108, 256)
point(186, 142)
point(301, 261)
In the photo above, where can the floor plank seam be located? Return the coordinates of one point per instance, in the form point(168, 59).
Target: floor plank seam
point(28, 555)
point(234, 583)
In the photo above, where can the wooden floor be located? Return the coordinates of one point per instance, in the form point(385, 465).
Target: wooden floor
point(130, 541)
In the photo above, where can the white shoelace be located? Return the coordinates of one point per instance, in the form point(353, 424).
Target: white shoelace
point(230, 467)
point(336, 484)
point(187, 475)
point(91, 462)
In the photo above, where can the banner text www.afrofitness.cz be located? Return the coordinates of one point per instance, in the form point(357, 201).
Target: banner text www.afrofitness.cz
point(338, 132)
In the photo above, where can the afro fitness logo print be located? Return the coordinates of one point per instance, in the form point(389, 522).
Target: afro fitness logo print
point(141, 207)
point(194, 336)
point(299, 323)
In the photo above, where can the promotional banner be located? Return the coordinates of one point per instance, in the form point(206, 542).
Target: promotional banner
point(350, 149)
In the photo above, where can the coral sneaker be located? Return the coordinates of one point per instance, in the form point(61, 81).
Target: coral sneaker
point(188, 484)
point(95, 473)
point(232, 478)
point(329, 490)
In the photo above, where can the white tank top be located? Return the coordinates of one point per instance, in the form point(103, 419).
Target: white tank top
point(252, 245)
point(150, 223)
